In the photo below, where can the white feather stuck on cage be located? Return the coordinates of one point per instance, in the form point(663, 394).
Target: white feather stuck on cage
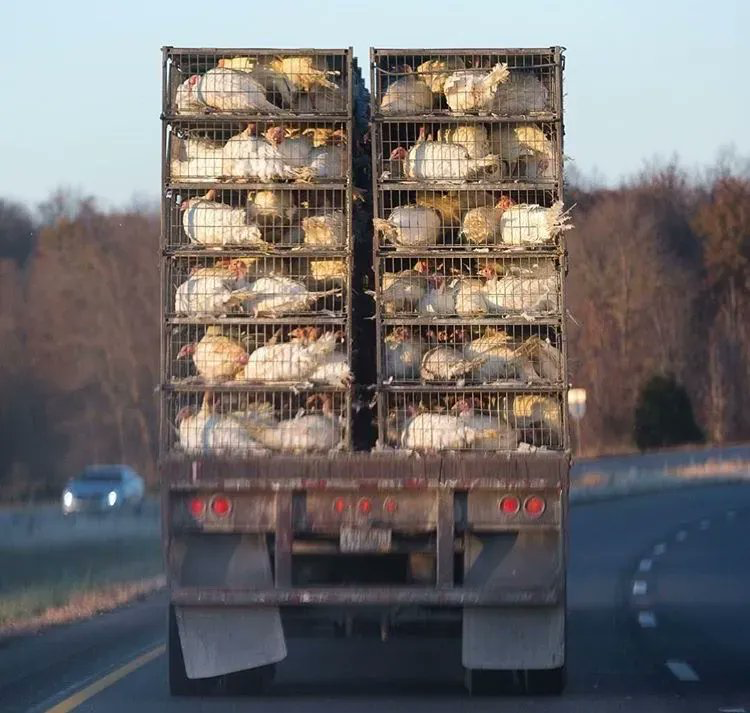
point(436, 432)
point(403, 355)
point(446, 364)
point(471, 90)
point(523, 93)
point(521, 289)
point(208, 222)
point(473, 137)
point(325, 231)
point(407, 95)
point(531, 223)
point(441, 161)
point(402, 291)
point(410, 226)
point(292, 361)
point(435, 72)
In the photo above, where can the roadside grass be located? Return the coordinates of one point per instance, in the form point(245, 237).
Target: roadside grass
point(79, 578)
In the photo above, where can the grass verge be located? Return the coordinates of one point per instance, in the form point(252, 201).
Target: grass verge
point(58, 584)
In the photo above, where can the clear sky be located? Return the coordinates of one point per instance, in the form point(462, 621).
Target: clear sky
point(80, 93)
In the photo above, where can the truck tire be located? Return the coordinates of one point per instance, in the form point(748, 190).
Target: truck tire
point(179, 683)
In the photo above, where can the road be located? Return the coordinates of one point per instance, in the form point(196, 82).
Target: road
point(659, 600)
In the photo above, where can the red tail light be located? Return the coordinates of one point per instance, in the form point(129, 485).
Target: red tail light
point(339, 505)
point(196, 506)
point(534, 506)
point(364, 506)
point(221, 505)
point(509, 505)
point(390, 506)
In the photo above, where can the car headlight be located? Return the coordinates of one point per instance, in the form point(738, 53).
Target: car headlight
point(67, 498)
point(112, 498)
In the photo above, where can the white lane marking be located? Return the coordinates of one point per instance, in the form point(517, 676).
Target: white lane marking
point(639, 587)
point(645, 565)
point(682, 671)
point(732, 710)
point(705, 524)
point(681, 536)
point(647, 619)
point(660, 549)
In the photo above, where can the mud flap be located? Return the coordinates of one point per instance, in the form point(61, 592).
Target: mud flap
point(221, 640)
point(513, 638)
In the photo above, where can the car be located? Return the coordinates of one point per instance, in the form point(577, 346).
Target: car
point(104, 489)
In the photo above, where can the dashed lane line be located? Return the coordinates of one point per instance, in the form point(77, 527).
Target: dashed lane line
point(645, 565)
point(640, 587)
point(705, 524)
point(682, 671)
point(660, 549)
point(681, 536)
point(647, 619)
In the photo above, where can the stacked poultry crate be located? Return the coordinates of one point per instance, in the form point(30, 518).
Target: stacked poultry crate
point(257, 250)
point(468, 251)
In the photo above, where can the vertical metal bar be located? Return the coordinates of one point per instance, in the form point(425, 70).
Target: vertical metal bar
point(445, 535)
point(283, 541)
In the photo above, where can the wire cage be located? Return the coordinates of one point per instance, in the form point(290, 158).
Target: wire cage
point(471, 419)
point(256, 286)
point(455, 152)
point(490, 286)
point(258, 151)
point(426, 219)
point(236, 423)
point(259, 354)
point(503, 82)
point(257, 81)
point(266, 220)
point(461, 353)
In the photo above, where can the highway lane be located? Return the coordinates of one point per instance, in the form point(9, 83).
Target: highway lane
point(695, 588)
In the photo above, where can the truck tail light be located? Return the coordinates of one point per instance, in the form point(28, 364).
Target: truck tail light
point(365, 506)
point(534, 506)
point(339, 505)
point(390, 506)
point(509, 505)
point(197, 506)
point(221, 505)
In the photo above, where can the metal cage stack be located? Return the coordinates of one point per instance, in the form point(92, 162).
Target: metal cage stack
point(257, 247)
point(468, 251)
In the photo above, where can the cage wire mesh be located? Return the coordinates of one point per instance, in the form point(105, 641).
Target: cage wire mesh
point(257, 250)
point(261, 422)
point(469, 249)
point(415, 220)
point(500, 82)
point(246, 81)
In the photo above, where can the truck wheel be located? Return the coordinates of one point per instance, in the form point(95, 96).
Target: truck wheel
point(545, 681)
point(179, 683)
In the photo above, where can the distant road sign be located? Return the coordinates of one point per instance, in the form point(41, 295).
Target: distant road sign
point(577, 403)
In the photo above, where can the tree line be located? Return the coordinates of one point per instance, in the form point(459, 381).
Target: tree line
point(657, 298)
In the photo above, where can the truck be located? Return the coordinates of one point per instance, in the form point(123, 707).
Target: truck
point(363, 364)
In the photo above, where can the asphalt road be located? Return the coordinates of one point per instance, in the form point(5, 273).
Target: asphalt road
point(659, 601)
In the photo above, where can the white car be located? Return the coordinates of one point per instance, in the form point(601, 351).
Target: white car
point(104, 488)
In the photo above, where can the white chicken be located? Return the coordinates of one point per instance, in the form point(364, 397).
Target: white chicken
point(407, 95)
point(292, 145)
point(210, 223)
point(225, 90)
point(537, 410)
point(209, 290)
point(195, 160)
point(249, 156)
point(531, 224)
point(523, 93)
point(500, 359)
point(329, 272)
point(525, 149)
point(292, 361)
point(434, 72)
point(305, 433)
point(278, 295)
point(437, 432)
point(333, 370)
point(440, 161)
point(439, 300)
point(325, 231)
point(446, 364)
point(473, 137)
point(403, 355)
point(482, 225)
point(328, 162)
point(410, 226)
point(305, 72)
point(217, 358)
point(469, 298)
point(490, 433)
point(547, 360)
point(469, 90)
point(272, 208)
point(402, 291)
point(522, 289)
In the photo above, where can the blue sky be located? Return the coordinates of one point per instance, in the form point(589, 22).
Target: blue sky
point(81, 84)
